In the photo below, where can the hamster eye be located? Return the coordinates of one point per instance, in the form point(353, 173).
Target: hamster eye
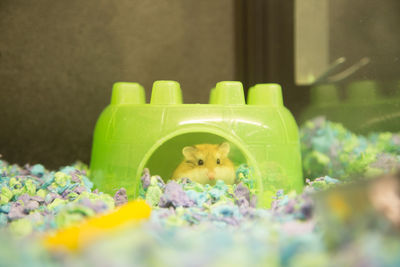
point(200, 162)
point(218, 161)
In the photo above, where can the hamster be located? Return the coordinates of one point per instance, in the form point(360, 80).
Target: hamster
point(205, 164)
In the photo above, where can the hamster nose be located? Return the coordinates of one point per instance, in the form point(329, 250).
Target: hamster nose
point(211, 175)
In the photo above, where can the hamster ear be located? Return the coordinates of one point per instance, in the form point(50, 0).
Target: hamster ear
point(188, 151)
point(224, 148)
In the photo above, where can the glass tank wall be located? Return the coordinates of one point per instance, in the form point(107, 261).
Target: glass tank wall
point(347, 54)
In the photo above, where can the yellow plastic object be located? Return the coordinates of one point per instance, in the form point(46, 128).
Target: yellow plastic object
point(262, 133)
point(75, 237)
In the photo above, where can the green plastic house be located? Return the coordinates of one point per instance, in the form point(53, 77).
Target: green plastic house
point(131, 135)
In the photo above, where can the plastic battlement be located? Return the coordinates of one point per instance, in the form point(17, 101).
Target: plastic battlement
point(225, 93)
point(131, 135)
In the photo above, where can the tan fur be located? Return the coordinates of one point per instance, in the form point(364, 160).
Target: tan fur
point(208, 153)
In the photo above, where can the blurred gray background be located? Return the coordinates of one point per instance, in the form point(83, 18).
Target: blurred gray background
point(59, 60)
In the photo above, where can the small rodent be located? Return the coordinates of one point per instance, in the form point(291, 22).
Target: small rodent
point(205, 164)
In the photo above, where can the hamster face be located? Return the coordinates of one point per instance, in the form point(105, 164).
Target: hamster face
point(206, 164)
